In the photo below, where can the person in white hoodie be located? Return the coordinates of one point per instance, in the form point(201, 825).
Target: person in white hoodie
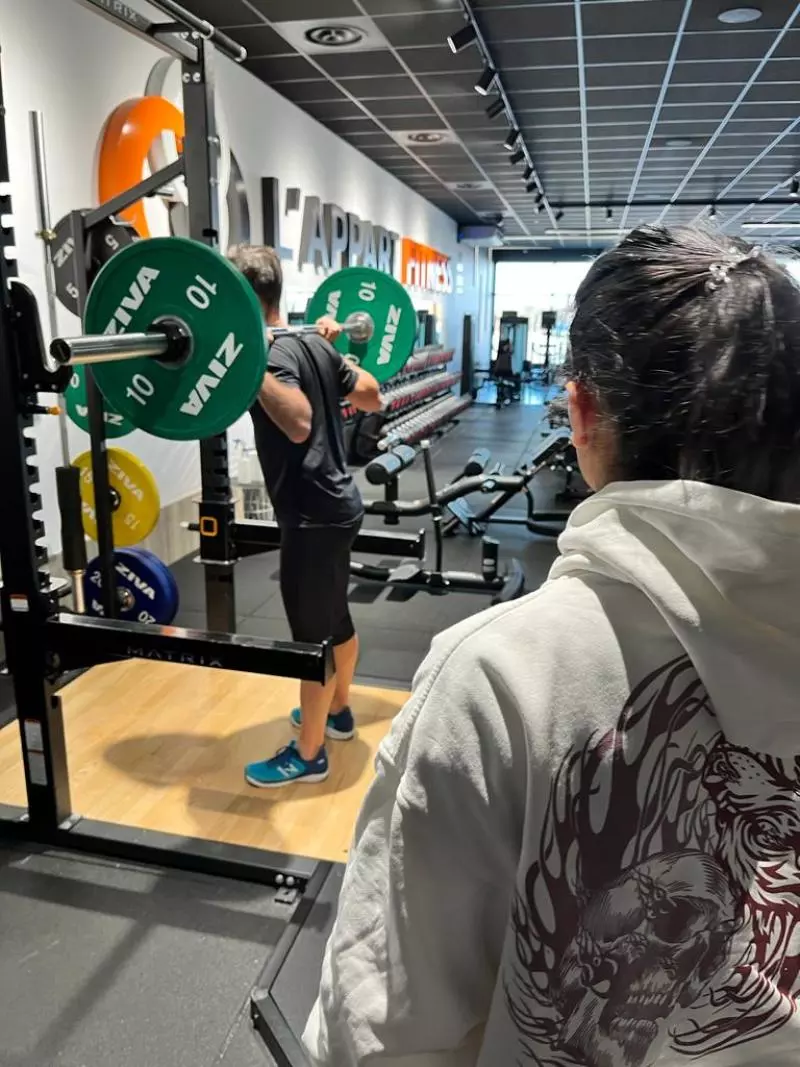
point(581, 845)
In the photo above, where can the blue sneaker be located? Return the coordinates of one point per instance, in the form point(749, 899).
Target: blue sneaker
point(285, 767)
point(339, 727)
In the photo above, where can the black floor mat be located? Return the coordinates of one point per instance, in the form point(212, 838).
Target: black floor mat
point(103, 964)
point(396, 631)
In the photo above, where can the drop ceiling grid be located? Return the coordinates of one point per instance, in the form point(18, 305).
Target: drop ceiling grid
point(652, 71)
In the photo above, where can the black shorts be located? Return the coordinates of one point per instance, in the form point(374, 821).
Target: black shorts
point(315, 575)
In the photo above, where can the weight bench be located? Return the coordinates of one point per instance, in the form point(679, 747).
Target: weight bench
point(554, 454)
point(413, 577)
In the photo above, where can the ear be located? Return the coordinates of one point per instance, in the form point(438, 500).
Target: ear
point(582, 413)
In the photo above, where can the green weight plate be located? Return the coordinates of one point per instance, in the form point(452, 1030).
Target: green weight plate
point(389, 305)
point(175, 278)
point(77, 409)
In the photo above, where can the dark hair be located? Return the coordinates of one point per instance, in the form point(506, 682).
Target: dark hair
point(261, 265)
point(690, 340)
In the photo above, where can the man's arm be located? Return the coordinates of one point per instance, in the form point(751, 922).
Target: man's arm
point(357, 386)
point(288, 407)
point(366, 395)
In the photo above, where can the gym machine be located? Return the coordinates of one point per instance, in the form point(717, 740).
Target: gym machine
point(555, 453)
point(412, 577)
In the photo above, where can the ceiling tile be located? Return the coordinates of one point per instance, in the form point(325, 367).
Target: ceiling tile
point(316, 90)
point(402, 105)
point(353, 128)
point(261, 41)
point(360, 64)
point(735, 71)
point(661, 16)
point(325, 110)
point(511, 55)
point(223, 13)
point(447, 84)
point(645, 47)
point(297, 10)
point(378, 88)
point(538, 78)
point(532, 23)
point(626, 76)
point(276, 69)
point(407, 7)
point(415, 122)
point(411, 31)
point(433, 59)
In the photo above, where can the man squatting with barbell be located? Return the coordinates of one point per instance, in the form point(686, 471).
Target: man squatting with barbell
point(300, 445)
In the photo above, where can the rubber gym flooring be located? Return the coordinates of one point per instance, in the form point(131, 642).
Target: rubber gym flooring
point(103, 963)
point(396, 633)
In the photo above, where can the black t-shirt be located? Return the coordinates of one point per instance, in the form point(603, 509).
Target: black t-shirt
point(309, 484)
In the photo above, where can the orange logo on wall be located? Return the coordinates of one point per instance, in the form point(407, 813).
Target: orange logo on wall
point(124, 145)
point(422, 267)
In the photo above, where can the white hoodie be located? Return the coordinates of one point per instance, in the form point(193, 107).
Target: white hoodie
point(581, 846)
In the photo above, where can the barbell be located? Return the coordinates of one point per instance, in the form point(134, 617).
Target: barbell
point(176, 338)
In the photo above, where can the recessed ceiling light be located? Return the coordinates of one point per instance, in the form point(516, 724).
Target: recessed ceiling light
point(334, 36)
point(737, 16)
point(678, 142)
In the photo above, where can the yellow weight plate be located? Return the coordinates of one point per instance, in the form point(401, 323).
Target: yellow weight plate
point(134, 493)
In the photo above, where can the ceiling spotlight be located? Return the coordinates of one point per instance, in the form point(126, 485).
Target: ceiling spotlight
point(539, 197)
point(609, 213)
point(530, 186)
point(559, 215)
point(462, 38)
point(794, 188)
point(495, 108)
point(484, 83)
point(516, 157)
point(511, 139)
point(737, 16)
point(527, 172)
point(712, 211)
point(540, 207)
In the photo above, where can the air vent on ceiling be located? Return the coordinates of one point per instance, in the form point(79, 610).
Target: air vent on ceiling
point(424, 138)
point(315, 36)
point(470, 187)
point(338, 36)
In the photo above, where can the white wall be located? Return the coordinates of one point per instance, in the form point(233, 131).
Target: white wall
point(76, 67)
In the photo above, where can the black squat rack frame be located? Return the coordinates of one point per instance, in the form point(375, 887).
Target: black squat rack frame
point(42, 643)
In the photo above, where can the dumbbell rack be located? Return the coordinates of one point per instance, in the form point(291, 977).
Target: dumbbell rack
point(419, 402)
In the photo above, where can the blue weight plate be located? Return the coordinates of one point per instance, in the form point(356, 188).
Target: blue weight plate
point(170, 577)
point(145, 587)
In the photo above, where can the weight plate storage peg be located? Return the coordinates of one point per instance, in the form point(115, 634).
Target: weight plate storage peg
point(135, 501)
point(173, 278)
point(386, 302)
point(78, 410)
point(146, 589)
point(102, 242)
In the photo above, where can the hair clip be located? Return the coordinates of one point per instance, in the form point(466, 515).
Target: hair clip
point(719, 275)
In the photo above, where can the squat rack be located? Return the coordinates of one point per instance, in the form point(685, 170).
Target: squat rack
point(43, 643)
